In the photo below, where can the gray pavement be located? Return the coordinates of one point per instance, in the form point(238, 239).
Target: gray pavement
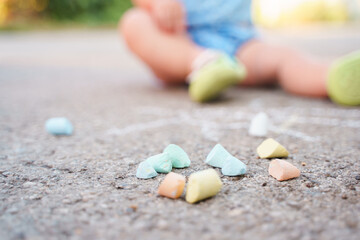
point(84, 186)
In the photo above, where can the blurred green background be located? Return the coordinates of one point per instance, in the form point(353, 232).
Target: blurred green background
point(16, 14)
point(34, 14)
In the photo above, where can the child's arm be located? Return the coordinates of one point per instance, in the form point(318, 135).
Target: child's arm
point(168, 14)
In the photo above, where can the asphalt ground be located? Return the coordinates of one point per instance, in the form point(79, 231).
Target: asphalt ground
point(84, 186)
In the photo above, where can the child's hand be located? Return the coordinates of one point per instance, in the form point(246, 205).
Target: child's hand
point(169, 15)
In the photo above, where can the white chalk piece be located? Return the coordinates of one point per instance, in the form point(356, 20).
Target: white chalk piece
point(59, 126)
point(259, 125)
point(145, 171)
point(233, 167)
point(217, 156)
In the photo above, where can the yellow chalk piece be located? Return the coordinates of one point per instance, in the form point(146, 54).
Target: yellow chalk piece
point(271, 149)
point(202, 185)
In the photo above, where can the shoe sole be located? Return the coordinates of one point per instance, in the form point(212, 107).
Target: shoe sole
point(344, 80)
point(214, 79)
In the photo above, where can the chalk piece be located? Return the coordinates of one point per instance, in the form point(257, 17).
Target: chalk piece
point(271, 149)
point(259, 125)
point(217, 156)
point(178, 157)
point(160, 162)
point(59, 126)
point(233, 167)
point(283, 170)
point(202, 185)
point(145, 171)
point(172, 186)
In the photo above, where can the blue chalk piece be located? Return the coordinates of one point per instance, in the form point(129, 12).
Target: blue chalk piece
point(233, 167)
point(217, 156)
point(145, 171)
point(178, 156)
point(59, 126)
point(160, 162)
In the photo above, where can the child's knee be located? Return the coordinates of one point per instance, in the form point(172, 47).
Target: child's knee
point(132, 22)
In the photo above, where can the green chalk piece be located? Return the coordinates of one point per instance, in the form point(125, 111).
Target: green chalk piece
point(145, 171)
point(233, 167)
point(217, 156)
point(160, 162)
point(178, 157)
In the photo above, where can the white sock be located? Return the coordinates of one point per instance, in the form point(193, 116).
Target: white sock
point(204, 58)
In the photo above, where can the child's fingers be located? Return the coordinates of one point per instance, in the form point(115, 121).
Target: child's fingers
point(162, 18)
point(167, 22)
point(169, 16)
point(180, 24)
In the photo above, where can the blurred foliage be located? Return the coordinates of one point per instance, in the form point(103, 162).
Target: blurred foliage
point(88, 12)
point(84, 10)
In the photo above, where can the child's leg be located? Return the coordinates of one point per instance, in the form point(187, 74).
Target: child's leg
point(295, 73)
point(169, 56)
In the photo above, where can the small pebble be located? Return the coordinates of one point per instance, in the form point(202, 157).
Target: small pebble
point(271, 149)
point(178, 157)
point(134, 207)
point(294, 204)
point(202, 185)
point(357, 177)
point(29, 184)
point(351, 222)
point(303, 164)
point(162, 224)
point(172, 186)
point(145, 171)
point(217, 156)
point(160, 162)
point(236, 212)
point(283, 170)
point(344, 196)
point(259, 125)
point(35, 197)
point(233, 167)
point(59, 126)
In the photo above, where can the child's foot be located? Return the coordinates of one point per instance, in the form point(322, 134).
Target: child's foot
point(344, 80)
point(210, 79)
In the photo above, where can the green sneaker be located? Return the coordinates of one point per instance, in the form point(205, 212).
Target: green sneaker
point(210, 80)
point(344, 80)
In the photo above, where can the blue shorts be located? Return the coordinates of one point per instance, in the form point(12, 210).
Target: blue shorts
point(226, 38)
point(218, 24)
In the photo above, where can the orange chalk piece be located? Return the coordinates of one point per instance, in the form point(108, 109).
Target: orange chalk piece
point(172, 186)
point(283, 170)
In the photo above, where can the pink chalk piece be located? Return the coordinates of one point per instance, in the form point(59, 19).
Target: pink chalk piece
point(283, 170)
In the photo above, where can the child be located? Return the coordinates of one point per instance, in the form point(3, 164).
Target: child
point(213, 45)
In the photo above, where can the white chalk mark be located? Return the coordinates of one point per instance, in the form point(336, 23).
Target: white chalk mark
point(213, 121)
point(294, 133)
point(210, 133)
point(143, 126)
point(289, 122)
